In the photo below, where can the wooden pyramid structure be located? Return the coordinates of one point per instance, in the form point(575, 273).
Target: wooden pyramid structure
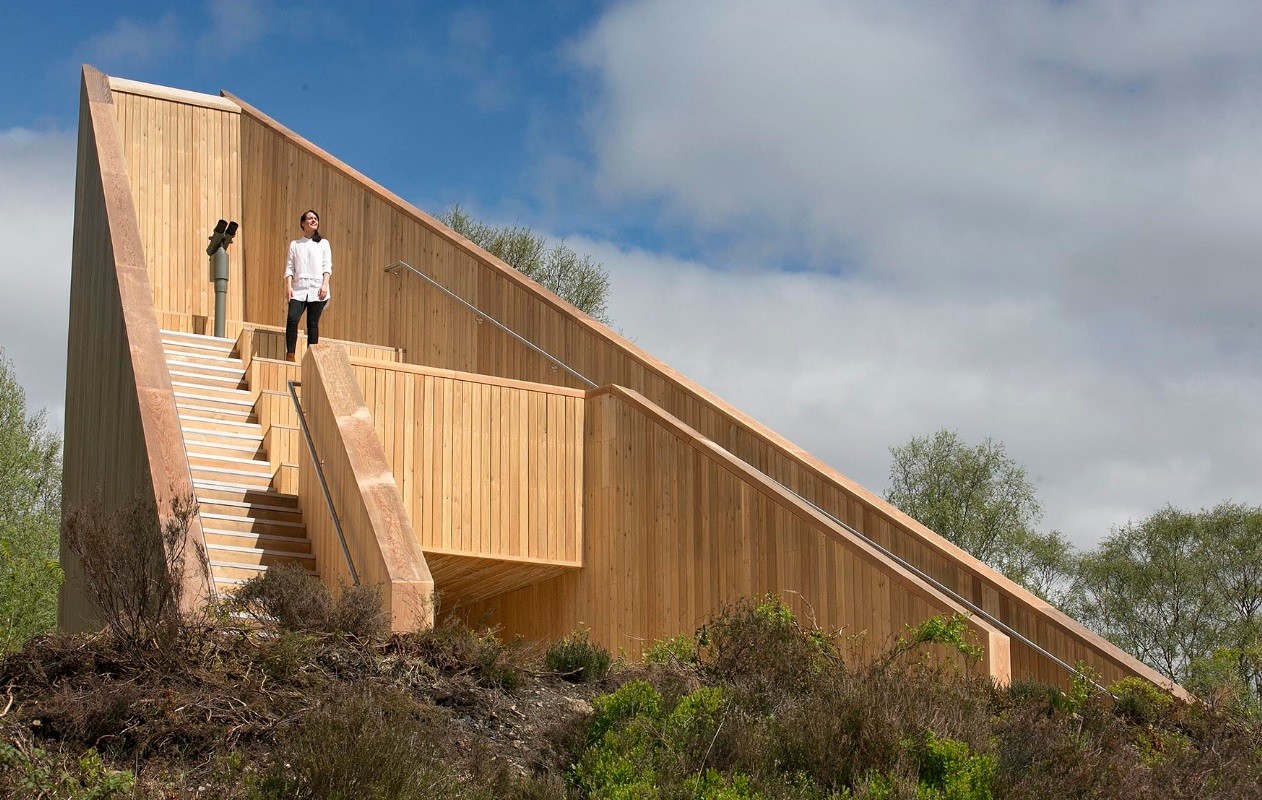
point(461, 437)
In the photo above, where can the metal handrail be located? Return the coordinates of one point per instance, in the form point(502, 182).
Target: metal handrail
point(973, 607)
point(324, 484)
point(954, 595)
point(483, 315)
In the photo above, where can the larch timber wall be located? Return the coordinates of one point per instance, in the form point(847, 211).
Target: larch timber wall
point(371, 228)
point(122, 434)
point(379, 539)
point(487, 466)
point(676, 528)
point(281, 175)
point(182, 154)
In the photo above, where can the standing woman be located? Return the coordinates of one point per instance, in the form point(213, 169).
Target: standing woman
point(307, 270)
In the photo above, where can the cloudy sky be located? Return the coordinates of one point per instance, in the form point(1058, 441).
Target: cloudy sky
point(858, 221)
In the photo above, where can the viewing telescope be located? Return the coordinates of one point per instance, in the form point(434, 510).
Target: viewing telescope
point(222, 236)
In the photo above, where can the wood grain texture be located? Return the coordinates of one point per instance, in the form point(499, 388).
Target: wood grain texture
point(122, 434)
point(488, 467)
point(382, 544)
point(184, 156)
point(281, 175)
point(370, 228)
point(676, 528)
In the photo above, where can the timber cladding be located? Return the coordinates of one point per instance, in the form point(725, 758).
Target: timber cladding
point(370, 228)
point(182, 156)
point(380, 542)
point(486, 466)
point(281, 175)
point(122, 433)
point(676, 528)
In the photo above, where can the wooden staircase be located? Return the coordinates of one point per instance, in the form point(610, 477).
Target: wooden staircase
point(248, 526)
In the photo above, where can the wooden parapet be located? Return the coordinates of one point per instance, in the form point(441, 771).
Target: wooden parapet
point(265, 176)
point(122, 433)
point(382, 546)
point(675, 528)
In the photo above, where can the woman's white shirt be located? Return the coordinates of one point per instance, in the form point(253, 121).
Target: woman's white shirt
point(306, 263)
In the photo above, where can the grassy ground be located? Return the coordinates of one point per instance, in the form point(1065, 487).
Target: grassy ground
point(753, 706)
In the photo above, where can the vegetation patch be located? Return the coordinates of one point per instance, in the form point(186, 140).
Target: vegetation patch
point(755, 706)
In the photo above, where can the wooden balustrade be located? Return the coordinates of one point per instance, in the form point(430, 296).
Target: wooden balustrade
point(122, 433)
point(277, 175)
point(382, 546)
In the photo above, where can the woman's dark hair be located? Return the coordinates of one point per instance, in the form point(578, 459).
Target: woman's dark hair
point(317, 237)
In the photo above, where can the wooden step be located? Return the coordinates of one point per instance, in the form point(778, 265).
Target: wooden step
point(211, 491)
point(227, 461)
point(198, 339)
point(234, 477)
point(214, 412)
point(236, 448)
point(265, 541)
point(212, 391)
point(194, 351)
point(231, 372)
point(253, 556)
point(192, 421)
point(206, 403)
point(241, 572)
point(226, 438)
point(205, 358)
point(235, 508)
point(244, 524)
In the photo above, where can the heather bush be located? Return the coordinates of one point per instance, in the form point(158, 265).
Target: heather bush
point(641, 744)
point(758, 649)
point(672, 650)
point(1141, 701)
point(364, 745)
point(455, 648)
point(576, 658)
point(294, 600)
point(134, 561)
point(27, 771)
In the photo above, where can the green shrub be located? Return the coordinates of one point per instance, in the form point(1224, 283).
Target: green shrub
point(951, 632)
point(455, 648)
point(293, 599)
point(27, 771)
point(618, 761)
point(949, 770)
point(673, 650)
point(635, 698)
point(642, 745)
point(757, 648)
point(713, 785)
point(577, 659)
point(1140, 700)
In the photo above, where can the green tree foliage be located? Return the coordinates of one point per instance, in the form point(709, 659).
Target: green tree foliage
point(1183, 591)
point(30, 510)
point(982, 500)
point(557, 267)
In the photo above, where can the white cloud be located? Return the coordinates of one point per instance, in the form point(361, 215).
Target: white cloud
point(132, 44)
point(1033, 221)
point(1102, 155)
point(36, 221)
point(848, 367)
point(234, 25)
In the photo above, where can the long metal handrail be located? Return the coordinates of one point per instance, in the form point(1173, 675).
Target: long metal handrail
point(954, 595)
point(483, 315)
point(973, 607)
point(324, 484)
